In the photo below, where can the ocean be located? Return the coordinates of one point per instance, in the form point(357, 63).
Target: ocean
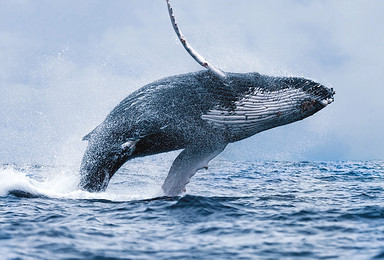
point(233, 210)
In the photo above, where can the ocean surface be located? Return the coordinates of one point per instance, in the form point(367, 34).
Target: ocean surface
point(233, 210)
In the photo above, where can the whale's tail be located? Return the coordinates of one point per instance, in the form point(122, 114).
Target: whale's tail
point(102, 159)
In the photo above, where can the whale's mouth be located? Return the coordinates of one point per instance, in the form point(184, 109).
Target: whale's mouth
point(326, 102)
point(329, 99)
point(320, 97)
point(321, 94)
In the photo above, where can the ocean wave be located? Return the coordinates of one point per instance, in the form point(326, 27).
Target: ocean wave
point(271, 210)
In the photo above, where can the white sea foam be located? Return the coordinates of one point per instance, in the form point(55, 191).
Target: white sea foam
point(62, 183)
point(12, 179)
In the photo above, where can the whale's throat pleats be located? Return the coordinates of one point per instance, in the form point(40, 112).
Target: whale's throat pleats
point(259, 111)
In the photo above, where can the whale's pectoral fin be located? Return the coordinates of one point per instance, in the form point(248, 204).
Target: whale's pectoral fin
point(187, 163)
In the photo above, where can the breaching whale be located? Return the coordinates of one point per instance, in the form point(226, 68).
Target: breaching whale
point(198, 112)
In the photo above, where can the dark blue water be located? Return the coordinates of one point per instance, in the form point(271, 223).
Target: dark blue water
point(234, 210)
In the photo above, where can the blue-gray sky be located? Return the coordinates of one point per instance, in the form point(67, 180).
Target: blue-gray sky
point(65, 64)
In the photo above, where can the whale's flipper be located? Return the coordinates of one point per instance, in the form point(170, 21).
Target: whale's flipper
point(187, 163)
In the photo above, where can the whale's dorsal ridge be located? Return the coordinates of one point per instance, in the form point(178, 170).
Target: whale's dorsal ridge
point(88, 136)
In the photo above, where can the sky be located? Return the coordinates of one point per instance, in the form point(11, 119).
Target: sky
point(65, 64)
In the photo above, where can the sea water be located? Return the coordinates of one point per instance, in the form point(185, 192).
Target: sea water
point(233, 210)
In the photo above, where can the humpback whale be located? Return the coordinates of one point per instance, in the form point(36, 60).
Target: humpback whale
point(199, 112)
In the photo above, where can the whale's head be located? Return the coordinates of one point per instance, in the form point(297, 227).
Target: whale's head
point(290, 99)
point(307, 95)
point(264, 102)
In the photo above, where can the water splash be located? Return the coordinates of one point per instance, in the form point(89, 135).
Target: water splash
point(62, 183)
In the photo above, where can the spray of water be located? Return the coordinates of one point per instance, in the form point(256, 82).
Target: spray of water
point(61, 183)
